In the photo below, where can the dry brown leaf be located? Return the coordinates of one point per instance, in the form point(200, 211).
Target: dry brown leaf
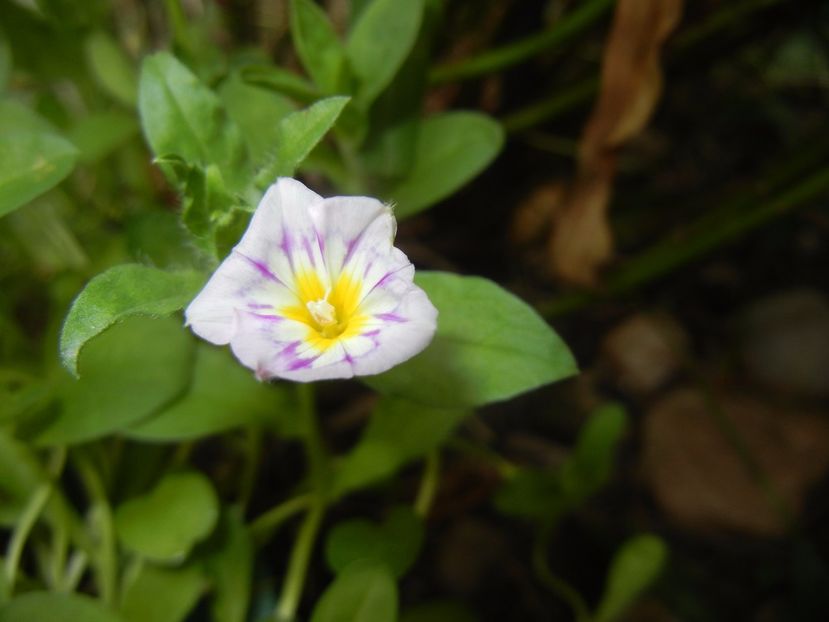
point(644, 351)
point(631, 83)
point(533, 216)
point(698, 478)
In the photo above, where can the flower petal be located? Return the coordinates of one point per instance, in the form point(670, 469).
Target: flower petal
point(350, 226)
point(282, 236)
point(399, 333)
point(281, 349)
point(240, 282)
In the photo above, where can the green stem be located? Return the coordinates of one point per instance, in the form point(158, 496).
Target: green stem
point(22, 530)
point(306, 538)
point(519, 51)
point(105, 560)
point(314, 446)
point(554, 583)
point(298, 566)
point(253, 452)
point(428, 485)
point(263, 527)
point(78, 562)
point(562, 101)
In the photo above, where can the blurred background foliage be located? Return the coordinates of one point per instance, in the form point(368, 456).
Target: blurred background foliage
point(649, 175)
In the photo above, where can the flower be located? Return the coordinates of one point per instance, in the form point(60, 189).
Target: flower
point(315, 289)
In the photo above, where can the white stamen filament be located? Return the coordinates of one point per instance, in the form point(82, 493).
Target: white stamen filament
point(322, 311)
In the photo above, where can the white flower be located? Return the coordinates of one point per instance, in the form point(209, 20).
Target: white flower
point(315, 289)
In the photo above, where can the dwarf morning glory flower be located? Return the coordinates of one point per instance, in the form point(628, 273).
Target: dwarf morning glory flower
point(315, 289)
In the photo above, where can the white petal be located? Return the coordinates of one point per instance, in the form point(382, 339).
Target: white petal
point(400, 334)
point(279, 349)
point(350, 226)
point(238, 283)
point(282, 235)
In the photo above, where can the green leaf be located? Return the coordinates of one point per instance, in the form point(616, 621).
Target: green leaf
point(257, 111)
point(120, 292)
point(636, 565)
point(5, 61)
point(164, 524)
point(31, 162)
point(281, 81)
point(547, 494)
point(161, 594)
point(20, 473)
point(54, 607)
point(536, 494)
point(363, 592)
point(379, 43)
point(223, 395)
point(399, 431)
point(450, 149)
point(112, 68)
point(230, 566)
point(129, 372)
point(208, 204)
point(395, 542)
point(591, 464)
point(318, 46)
point(489, 346)
point(297, 134)
point(97, 135)
point(21, 395)
point(156, 237)
point(181, 116)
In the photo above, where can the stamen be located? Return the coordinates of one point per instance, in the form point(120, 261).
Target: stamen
point(322, 311)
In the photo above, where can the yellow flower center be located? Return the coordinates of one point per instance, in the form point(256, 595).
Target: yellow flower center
point(330, 314)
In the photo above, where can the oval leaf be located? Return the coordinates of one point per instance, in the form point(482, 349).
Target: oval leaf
point(222, 395)
point(317, 45)
point(31, 162)
point(129, 372)
point(450, 150)
point(636, 565)
point(489, 346)
point(162, 594)
point(399, 431)
point(118, 293)
point(181, 116)
point(380, 41)
point(52, 607)
point(229, 563)
point(257, 111)
point(112, 68)
point(164, 524)
point(363, 592)
point(395, 542)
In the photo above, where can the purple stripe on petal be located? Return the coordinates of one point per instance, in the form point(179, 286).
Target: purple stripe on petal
point(369, 264)
point(350, 248)
point(258, 305)
point(260, 267)
point(306, 244)
point(267, 317)
point(300, 364)
point(391, 317)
